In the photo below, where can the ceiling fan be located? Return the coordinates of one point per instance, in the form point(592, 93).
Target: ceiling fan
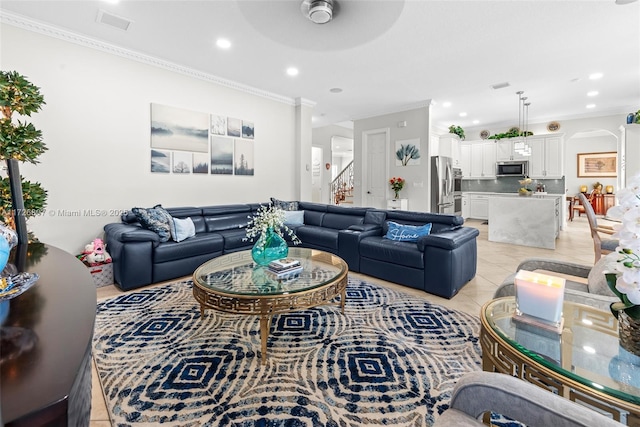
point(319, 11)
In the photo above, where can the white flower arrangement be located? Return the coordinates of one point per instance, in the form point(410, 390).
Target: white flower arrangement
point(623, 265)
point(267, 217)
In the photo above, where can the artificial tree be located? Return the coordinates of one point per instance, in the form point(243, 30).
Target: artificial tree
point(19, 142)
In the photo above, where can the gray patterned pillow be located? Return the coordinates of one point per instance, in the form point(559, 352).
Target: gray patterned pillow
point(156, 219)
point(285, 206)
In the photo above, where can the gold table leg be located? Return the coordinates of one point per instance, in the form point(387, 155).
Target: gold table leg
point(265, 325)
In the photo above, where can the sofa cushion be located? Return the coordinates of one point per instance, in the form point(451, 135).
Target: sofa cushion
point(235, 238)
point(406, 233)
point(200, 244)
point(340, 221)
point(318, 236)
point(391, 251)
point(285, 206)
point(156, 219)
point(227, 222)
point(183, 229)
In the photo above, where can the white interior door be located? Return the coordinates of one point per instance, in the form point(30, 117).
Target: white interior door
point(316, 175)
point(376, 166)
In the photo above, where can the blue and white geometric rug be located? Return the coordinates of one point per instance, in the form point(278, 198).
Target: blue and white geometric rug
point(391, 359)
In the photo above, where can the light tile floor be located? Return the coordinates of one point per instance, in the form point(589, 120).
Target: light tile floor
point(495, 262)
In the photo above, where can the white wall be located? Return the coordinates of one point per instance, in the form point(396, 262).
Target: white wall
point(417, 186)
point(96, 125)
point(593, 144)
point(322, 138)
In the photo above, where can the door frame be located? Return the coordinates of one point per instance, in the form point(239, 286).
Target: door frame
point(365, 165)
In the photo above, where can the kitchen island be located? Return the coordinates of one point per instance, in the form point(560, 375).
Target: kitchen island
point(525, 221)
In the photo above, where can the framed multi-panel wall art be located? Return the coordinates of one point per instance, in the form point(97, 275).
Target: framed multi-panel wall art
point(189, 142)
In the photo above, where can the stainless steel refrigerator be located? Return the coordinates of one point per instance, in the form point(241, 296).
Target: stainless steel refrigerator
point(442, 185)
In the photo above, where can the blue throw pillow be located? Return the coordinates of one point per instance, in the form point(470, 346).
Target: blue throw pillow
point(285, 206)
point(294, 217)
point(406, 233)
point(184, 228)
point(156, 219)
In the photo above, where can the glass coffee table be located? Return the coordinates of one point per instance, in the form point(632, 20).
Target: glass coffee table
point(233, 283)
point(585, 363)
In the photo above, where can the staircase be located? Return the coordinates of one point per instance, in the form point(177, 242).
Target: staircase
point(342, 187)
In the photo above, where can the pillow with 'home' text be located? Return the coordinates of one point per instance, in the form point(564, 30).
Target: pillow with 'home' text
point(406, 233)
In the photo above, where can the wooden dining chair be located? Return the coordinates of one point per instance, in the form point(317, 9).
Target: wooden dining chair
point(577, 204)
point(600, 246)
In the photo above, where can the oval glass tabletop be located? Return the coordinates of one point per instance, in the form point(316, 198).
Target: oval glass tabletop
point(237, 274)
point(587, 351)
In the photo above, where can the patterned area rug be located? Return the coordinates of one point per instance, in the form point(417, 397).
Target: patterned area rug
point(391, 359)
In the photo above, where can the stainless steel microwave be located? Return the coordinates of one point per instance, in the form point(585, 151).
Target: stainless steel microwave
point(513, 168)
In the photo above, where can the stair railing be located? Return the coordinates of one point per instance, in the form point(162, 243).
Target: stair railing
point(342, 185)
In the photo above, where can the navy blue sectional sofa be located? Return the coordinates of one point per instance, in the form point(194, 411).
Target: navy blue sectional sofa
point(440, 263)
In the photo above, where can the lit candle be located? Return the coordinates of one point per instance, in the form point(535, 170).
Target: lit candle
point(540, 295)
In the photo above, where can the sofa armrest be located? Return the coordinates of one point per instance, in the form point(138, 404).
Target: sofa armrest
point(450, 239)
point(479, 392)
point(371, 229)
point(130, 233)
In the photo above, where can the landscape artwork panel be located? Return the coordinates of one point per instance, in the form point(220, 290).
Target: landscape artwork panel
point(218, 125)
point(247, 129)
point(221, 156)
point(177, 129)
point(160, 161)
point(243, 157)
point(200, 163)
point(182, 162)
point(598, 165)
point(234, 127)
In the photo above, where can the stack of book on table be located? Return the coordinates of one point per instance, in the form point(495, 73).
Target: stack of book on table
point(285, 266)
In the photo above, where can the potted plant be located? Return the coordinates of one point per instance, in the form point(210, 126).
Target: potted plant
point(19, 142)
point(457, 130)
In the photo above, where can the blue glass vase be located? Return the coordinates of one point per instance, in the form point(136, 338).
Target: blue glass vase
point(273, 247)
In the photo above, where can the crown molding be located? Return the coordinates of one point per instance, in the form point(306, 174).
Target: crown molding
point(68, 36)
point(304, 102)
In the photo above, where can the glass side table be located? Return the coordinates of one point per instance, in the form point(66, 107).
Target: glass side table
point(584, 363)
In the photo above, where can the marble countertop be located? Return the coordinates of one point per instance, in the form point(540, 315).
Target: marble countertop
point(515, 193)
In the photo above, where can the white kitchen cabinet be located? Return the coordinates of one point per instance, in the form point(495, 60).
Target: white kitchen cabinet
point(465, 159)
point(511, 149)
point(482, 160)
point(449, 146)
point(478, 206)
point(465, 206)
point(546, 157)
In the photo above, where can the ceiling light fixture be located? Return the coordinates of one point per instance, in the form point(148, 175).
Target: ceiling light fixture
point(223, 43)
point(292, 71)
point(591, 105)
point(318, 11)
point(523, 124)
point(463, 114)
point(595, 76)
point(446, 104)
point(592, 93)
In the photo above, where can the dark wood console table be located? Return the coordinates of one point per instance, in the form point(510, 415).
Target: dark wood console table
point(50, 382)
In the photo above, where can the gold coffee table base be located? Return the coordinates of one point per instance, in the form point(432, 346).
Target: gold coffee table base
point(267, 306)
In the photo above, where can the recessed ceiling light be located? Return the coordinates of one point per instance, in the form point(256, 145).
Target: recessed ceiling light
point(223, 43)
point(593, 93)
point(463, 114)
point(446, 104)
point(475, 122)
point(595, 76)
point(292, 71)
point(591, 105)
point(335, 90)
